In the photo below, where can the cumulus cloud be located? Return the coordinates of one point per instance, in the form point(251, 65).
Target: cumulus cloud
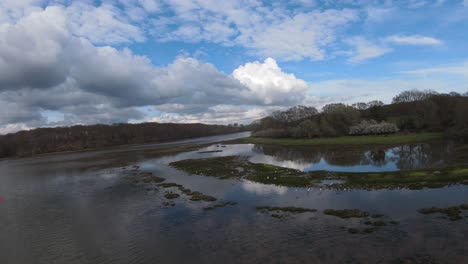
point(269, 84)
point(33, 47)
point(13, 10)
point(66, 62)
point(84, 83)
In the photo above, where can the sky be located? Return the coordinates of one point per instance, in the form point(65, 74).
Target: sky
point(66, 62)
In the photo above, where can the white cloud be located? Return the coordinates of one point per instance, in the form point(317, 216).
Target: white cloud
point(364, 49)
point(413, 40)
point(379, 14)
point(305, 35)
point(264, 30)
point(219, 114)
point(417, 3)
point(69, 75)
point(13, 10)
point(359, 90)
point(33, 47)
point(72, 71)
point(457, 69)
point(104, 24)
point(269, 84)
point(11, 128)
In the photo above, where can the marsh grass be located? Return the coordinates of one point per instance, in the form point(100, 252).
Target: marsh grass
point(287, 209)
point(241, 167)
point(453, 212)
point(171, 195)
point(219, 205)
point(346, 213)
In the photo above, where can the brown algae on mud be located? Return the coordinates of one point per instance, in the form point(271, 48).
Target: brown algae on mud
point(241, 167)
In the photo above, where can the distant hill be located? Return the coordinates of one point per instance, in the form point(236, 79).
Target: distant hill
point(47, 140)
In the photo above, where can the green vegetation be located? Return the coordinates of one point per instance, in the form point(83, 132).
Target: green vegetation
point(288, 209)
point(453, 212)
point(240, 167)
point(346, 213)
point(78, 138)
point(270, 174)
point(153, 179)
point(414, 111)
point(148, 178)
point(169, 185)
point(219, 205)
point(222, 167)
point(198, 196)
point(282, 212)
point(428, 178)
point(171, 195)
point(349, 140)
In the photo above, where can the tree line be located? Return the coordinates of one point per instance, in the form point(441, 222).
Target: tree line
point(46, 140)
point(410, 111)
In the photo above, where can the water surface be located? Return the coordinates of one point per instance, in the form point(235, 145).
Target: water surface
point(82, 208)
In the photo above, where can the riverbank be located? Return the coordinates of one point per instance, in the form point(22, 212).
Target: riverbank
point(348, 140)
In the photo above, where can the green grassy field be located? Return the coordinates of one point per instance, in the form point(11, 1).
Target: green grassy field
point(349, 140)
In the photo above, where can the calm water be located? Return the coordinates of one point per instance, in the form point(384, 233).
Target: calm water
point(82, 208)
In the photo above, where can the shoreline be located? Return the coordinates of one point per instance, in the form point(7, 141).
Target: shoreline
point(348, 140)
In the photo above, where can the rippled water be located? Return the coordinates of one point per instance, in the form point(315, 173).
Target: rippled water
point(82, 208)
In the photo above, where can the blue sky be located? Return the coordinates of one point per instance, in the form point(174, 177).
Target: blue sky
point(68, 62)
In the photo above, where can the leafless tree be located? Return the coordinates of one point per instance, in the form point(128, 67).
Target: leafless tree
point(294, 113)
point(413, 95)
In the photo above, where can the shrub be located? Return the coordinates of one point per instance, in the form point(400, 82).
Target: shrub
point(272, 133)
point(372, 127)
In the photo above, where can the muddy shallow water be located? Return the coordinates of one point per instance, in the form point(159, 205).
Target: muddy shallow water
point(84, 208)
